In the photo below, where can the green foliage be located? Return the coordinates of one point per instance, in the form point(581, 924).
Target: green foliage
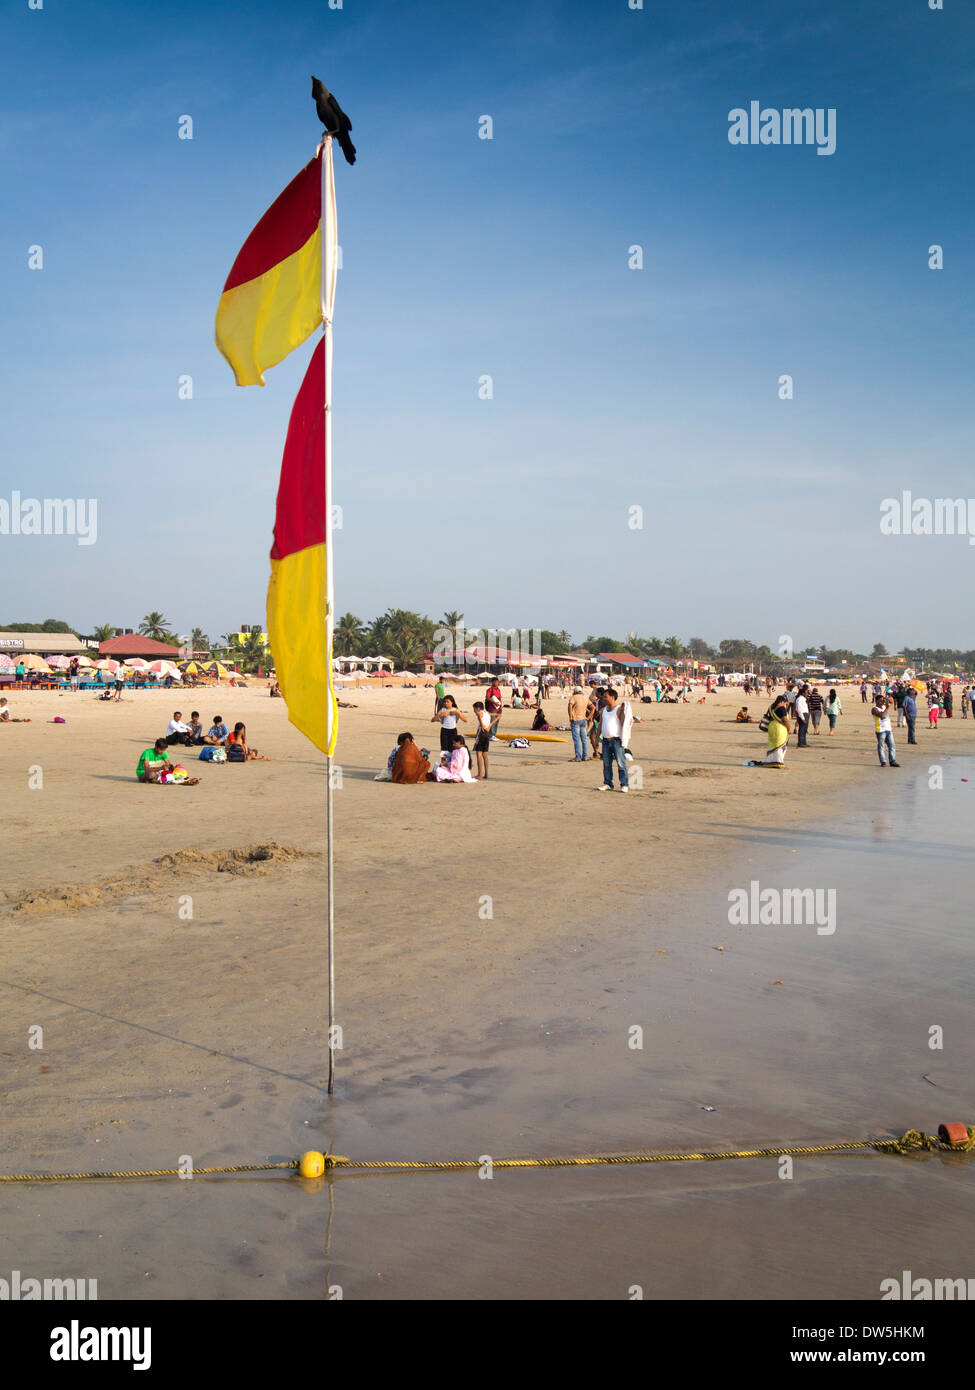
point(555, 643)
point(48, 625)
point(154, 625)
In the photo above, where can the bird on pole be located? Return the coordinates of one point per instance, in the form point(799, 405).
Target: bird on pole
point(333, 118)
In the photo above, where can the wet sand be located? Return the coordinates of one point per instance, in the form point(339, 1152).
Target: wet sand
point(466, 1037)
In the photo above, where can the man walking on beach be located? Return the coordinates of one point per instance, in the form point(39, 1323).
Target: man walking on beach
point(802, 715)
point(909, 711)
point(439, 691)
point(611, 728)
point(578, 705)
point(880, 709)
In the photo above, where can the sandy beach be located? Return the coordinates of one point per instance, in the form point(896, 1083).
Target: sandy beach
point(182, 1001)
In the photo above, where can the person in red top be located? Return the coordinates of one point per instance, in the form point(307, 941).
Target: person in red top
point(239, 737)
point(494, 705)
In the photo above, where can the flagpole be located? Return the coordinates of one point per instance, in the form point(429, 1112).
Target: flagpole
point(328, 236)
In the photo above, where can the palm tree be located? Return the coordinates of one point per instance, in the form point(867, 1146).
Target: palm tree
point(252, 653)
point(154, 625)
point(348, 635)
point(452, 618)
point(405, 650)
point(104, 632)
point(199, 641)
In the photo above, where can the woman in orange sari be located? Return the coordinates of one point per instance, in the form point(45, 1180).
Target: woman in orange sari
point(409, 765)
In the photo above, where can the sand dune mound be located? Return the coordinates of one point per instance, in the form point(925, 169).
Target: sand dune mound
point(681, 772)
point(254, 860)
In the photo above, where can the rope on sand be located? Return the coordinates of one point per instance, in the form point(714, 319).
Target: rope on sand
point(312, 1164)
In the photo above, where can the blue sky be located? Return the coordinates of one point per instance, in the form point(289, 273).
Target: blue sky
point(462, 257)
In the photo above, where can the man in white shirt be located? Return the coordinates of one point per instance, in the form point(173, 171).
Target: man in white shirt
point(611, 729)
point(880, 709)
point(802, 715)
point(177, 731)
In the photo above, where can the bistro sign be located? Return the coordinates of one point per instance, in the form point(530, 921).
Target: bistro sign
point(12, 642)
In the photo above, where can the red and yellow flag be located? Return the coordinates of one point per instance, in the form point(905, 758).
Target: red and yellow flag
point(273, 296)
point(296, 595)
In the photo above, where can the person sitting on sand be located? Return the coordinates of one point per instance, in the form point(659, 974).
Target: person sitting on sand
point(239, 739)
point(196, 728)
point(176, 730)
point(218, 731)
point(5, 716)
point(743, 717)
point(457, 768)
point(409, 765)
point(540, 723)
point(153, 762)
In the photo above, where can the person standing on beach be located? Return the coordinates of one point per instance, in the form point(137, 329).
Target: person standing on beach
point(802, 716)
point(482, 743)
point(816, 703)
point(863, 692)
point(880, 709)
point(578, 711)
point(834, 709)
point(447, 718)
point(593, 713)
point(909, 711)
point(779, 729)
point(439, 691)
point(611, 730)
point(494, 704)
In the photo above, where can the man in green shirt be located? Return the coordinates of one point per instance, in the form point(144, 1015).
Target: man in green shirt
point(439, 691)
point(153, 762)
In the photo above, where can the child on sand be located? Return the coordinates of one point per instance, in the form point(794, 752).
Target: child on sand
point(6, 717)
point(486, 725)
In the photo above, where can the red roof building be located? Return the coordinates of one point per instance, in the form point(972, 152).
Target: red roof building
point(131, 644)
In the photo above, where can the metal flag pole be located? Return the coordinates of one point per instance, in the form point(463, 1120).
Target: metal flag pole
point(329, 242)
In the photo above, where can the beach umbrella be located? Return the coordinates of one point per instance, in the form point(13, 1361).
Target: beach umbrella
point(5, 662)
point(217, 668)
point(58, 663)
point(34, 663)
point(108, 664)
point(84, 661)
point(137, 664)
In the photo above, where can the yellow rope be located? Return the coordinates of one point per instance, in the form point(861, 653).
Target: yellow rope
point(910, 1142)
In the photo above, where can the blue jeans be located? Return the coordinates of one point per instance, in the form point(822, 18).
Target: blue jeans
point(613, 752)
point(886, 738)
point(579, 740)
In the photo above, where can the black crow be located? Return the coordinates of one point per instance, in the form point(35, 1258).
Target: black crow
point(333, 118)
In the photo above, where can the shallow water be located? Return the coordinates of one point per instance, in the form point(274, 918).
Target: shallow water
point(838, 1050)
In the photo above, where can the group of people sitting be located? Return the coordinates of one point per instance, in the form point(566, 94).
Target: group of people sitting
point(410, 765)
point(218, 735)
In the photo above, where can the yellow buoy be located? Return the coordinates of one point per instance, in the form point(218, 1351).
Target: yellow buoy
point(311, 1164)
